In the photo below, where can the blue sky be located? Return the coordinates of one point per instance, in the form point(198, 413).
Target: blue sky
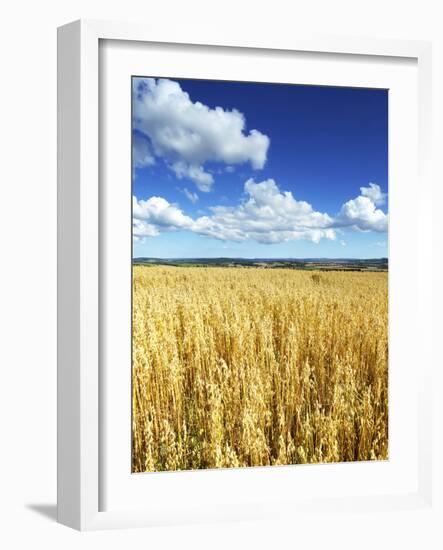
point(258, 170)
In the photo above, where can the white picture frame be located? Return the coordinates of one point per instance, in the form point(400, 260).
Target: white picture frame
point(80, 256)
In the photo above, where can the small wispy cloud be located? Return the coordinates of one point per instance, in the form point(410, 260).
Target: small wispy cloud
point(193, 197)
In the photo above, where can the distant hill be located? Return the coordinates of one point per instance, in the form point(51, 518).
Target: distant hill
point(326, 264)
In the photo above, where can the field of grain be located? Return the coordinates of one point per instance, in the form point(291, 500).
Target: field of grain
point(252, 367)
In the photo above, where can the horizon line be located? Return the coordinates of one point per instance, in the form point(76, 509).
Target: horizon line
point(258, 258)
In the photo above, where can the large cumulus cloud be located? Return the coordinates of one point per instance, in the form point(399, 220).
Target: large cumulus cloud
point(187, 134)
point(362, 213)
point(267, 215)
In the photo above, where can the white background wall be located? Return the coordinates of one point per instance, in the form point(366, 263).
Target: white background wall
point(28, 270)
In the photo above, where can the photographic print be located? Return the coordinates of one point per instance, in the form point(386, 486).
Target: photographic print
point(259, 274)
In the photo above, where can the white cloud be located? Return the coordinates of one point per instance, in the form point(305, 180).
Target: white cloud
point(202, 179)
point(141, 152)
point(141, 229)
point(267, 215)
point(362, 214)
point(193, 197)
point(188, 134)
point(374, 193)
point(159, 214)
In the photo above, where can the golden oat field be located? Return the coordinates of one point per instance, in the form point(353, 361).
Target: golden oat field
point(252, 367)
